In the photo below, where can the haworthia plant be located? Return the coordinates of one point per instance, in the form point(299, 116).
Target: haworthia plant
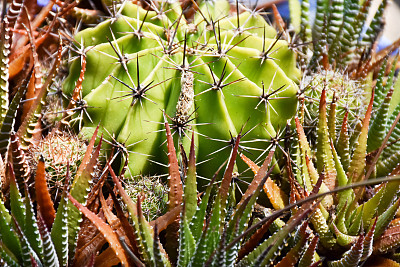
point(213, 74)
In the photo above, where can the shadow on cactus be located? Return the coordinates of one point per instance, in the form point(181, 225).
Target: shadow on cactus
point(212, 73)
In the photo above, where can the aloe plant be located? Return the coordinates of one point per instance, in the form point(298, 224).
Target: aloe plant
point(212, 73)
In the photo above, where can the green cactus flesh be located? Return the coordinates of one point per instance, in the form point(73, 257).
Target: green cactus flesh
point(214, 74)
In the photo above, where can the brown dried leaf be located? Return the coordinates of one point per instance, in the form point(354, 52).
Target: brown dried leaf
point(105, 229)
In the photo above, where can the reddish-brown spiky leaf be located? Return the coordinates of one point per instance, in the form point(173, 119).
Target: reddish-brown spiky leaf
point(105, 229)
point(128, 229)
point(278, 19)
point(276, 196)
point(40, 95)
point(292, 257)
point(174, 180)
point(389, 240)
point(125, 197)
point(254, 240)
point(168, 218)
point(254, 167)
point(88, 153)
point(258, 177)
point(308, 255)
point(75, 94)
point(226, 181)
point(43, 198)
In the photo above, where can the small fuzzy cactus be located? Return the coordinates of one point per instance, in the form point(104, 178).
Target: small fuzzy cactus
point(343, 94)
point(58, 150)
point(154, 195)
point(219, 72)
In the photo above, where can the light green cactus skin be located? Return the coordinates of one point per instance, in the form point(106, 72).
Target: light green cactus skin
point(138, 124)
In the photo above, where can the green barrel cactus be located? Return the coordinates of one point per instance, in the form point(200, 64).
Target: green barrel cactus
point(216, 73)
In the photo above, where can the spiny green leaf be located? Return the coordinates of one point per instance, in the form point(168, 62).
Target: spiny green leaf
point(196, 225)
point(376, 26)
point(343, 144)
point(146, 235)
point(304, 151)
point(186, 241)
point(8, 235)
point(292, 257)
point(158, 259)
point(340, 221)
point(354, 222)
point(28, 254)
point(322, 228)
point(343, 239)
point(5, 44)
point(378, 129)
point(59, 231)
point(345, 196)
point(352, 257)
point(7, 256)
point(324, 153)
point(191, 185)
point(10, 115)
point(31, 227)
point(357, 164)
point(368, 242)
point(349, 33)
point(79, 191)
point(49, 252)
point(308, 256)
point(384, 219)
point(16, 203)
point(272, 244)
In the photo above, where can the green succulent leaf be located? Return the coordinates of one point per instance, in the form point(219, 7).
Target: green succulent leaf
point(385, 218)
point(8, 119)
point(308, 256)
point(49, 252)
point(7, 256)
point(352, 257)
point(9, 239)
point(59, 230)
point(31, 227)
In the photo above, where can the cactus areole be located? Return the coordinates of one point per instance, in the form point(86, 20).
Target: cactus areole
point(217, 73)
